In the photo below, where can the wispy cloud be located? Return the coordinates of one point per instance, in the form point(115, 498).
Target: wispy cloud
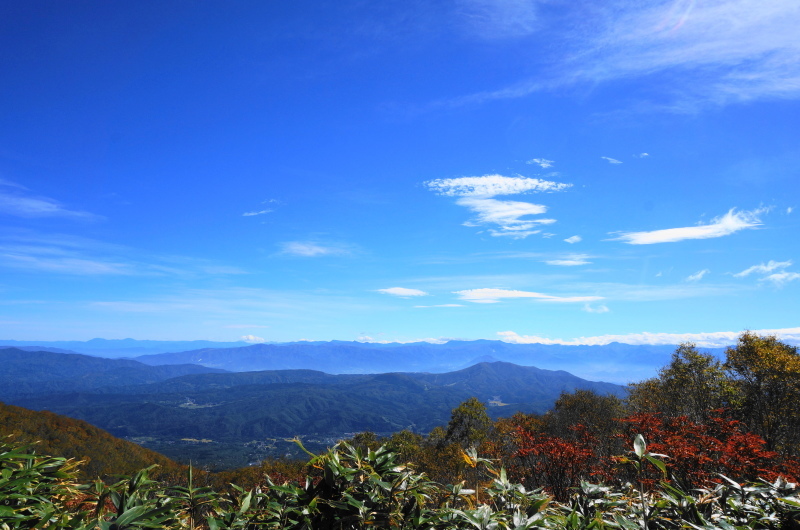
point(715, 51)
point(439, 305)
point(402, 292)
point(492, 185)
point(542, 162)
point(311, 249)
point(491, 296)
point(708, 340)
point(574, 239)
point(602, 308)
point(697, 276)
point(252, 339)
point(571, 261)
point(611, 160)
point(642, 155)
point(512, 217)
point(731, 222)
point(65, 265)
point(781, 278)
point(64, 254)
point(764, 268)
point(17, 200)
point(769, 272)
point(499, 19)
point(252, 214)
point(730, 49)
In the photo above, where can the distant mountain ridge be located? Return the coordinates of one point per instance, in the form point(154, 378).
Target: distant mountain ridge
point(617, 362)
point(36, 372)
point(119, 348)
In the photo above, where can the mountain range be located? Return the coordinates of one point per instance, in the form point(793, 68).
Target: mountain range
point(169, 403)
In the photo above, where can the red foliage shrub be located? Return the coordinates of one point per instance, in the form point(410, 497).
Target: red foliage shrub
point(696, 454)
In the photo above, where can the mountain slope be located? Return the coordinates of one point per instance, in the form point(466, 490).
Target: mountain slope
point(57, 435)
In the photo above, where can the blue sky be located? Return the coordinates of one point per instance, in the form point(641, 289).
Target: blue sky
point(394, 171)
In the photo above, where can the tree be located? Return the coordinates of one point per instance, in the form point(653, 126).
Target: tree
point(766, 374)
point(469, 424)
point(585, 412)
point(693, 385)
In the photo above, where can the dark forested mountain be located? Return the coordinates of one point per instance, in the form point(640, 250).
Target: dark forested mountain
point(52, 434)
point(36, 372)
point(248, 406)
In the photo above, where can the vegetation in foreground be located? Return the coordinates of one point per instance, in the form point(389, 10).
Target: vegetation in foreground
point(357, 488)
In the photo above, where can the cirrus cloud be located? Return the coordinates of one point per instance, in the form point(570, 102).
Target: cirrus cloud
point(731, 222)
point(491, 296)
point(16, 200)
point(310, 249)
point(571, 261)
point(697, 276)
point(764, 268)
point(402, 292)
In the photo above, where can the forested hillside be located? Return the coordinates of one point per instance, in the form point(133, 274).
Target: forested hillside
point(232, 410)
point(53, 434)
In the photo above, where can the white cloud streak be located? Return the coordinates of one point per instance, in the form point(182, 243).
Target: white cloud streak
point(491, 185)
point(611, 160)
point(541, 162)
point(252, 214)
point(708, 340)
point(252, 339)
point(574, 239)
point(781, 278)
point(310, 249)
point(697, 276)
point(731, 222)
point(402, 292)
point(572, 261)
point(602, 308)
point(764, 268)
point(16, 200)
point(64, 254)
point(491, 296)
